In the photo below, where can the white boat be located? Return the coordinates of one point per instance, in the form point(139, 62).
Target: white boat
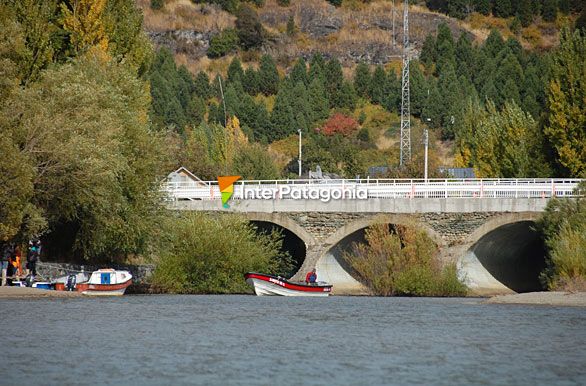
point(275, 285)
point(103, 282)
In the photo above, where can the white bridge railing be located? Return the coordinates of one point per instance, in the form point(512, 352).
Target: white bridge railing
point(378, 188)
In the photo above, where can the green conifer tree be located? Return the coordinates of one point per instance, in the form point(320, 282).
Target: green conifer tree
point(334, 80)
point(268, 76)
point(503, 8)
point(445, 48)
point(362, 80)
point(484, 7)
point(250, 81)
point(319, 103)
point(525, 12)
point(299, 72)
point(317, 68)
point(392, 92)
point(291, 29)
point(377, 85)
point(201, 85)
point(493, 44)
point(283, 122)
point(300, 104)
point(429, 51)
point(509, 74)
point(235, 71)
point(347, 97)
point(465, 56)
point(419, 88)
point(549, 10)
point(262, 124)
point(451, 99)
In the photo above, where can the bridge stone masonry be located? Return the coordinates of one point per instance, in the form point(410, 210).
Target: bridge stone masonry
point(485, 226)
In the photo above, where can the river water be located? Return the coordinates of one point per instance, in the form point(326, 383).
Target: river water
point(241, 340)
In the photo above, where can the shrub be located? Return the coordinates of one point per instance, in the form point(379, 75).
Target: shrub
point(284, 3)
point(210, 254)
point(258, 3)
point(223, 43)
point(402, 261)
point(340, 124)
point(563, 227)
point(364, 135)
point(291, 29)
point(157, 4)
point(568, 257)
point(248, 27)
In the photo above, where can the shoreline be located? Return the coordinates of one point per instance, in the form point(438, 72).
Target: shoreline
point(7, 292)
point(553, 298)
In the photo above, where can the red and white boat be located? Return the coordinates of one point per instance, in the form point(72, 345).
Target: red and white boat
point(275, 285)
point(103, 282)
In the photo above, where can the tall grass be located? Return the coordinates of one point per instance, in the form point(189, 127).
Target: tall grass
point(403, 260)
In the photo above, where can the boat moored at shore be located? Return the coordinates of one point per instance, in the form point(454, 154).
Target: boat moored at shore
point(103, 282)
point(270, 285)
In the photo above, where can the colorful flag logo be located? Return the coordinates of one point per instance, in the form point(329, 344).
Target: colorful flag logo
point(227, 188)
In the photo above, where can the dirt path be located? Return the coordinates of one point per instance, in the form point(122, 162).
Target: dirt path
point(577, 299)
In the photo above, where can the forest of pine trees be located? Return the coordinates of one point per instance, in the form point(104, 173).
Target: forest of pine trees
point(451, 76)
point(525, 10)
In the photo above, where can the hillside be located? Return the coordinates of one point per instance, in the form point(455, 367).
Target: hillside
point(335, 74)
point(356, 33)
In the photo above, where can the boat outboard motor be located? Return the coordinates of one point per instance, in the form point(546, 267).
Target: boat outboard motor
point(71, 280)
point(29, 280)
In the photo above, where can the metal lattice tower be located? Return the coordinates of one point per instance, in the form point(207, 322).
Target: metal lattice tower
point(405, 95)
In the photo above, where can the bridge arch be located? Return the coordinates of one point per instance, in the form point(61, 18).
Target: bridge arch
point(391, 218)
point(331, 266)
point(506, 254)
point(283, 221)
point(296, 240)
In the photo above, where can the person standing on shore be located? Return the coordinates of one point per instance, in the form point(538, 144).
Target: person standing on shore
point(32, 257)
point(5, 256)
point(16, 262)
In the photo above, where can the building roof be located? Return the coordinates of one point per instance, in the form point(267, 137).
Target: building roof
point(184, 172)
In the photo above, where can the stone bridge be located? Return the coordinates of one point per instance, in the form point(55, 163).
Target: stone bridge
point(487, 232)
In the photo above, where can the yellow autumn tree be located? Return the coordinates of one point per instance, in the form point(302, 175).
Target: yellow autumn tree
point(235, 139)
point(566, 104)
point(84, 19)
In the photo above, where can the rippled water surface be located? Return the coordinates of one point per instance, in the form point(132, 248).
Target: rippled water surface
point(232, 340)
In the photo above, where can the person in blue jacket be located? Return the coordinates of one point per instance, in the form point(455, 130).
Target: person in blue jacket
point(311, 277)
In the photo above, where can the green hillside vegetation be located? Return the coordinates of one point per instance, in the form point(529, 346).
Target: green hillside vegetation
point(92, 118)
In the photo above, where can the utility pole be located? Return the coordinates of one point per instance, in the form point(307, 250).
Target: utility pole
point(405, 95)
point(299, 160)
point(393, 13)
point(426, 146)
point(223, 101)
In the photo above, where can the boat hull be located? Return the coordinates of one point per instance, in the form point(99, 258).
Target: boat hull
point(267, 285)
point(103, 289)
